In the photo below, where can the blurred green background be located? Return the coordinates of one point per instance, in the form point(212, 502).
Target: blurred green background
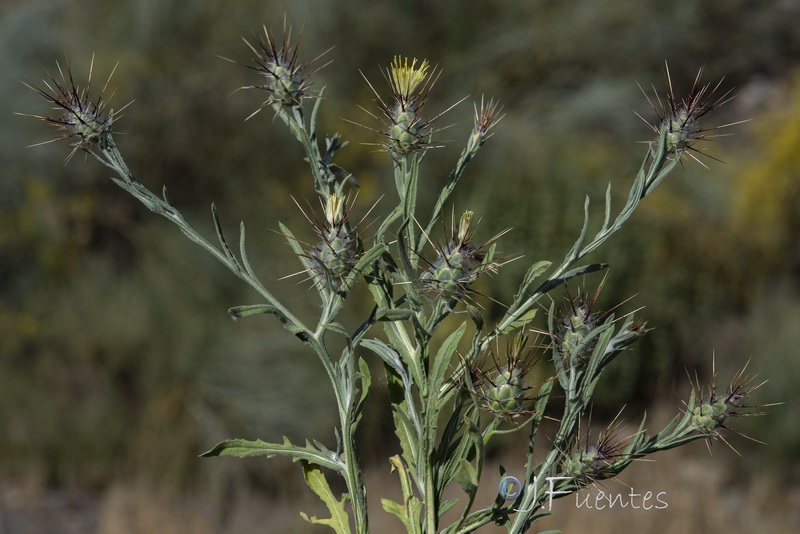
point(119, 364)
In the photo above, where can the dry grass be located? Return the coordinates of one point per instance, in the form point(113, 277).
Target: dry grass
point(698, 490)
point(704, 494)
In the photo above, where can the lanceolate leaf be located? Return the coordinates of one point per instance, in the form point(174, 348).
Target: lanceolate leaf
point(312, 124)
point(572, 273)
point(542, 396)
point(586, 269)
point(394, 314)
point(251, 309)
point(407, 425)
point(520, 322)
point(573, 253)
point(469, 476)
point(295, 245)
point(534, 271)
point(366, 381)
point(221, 236)
point(369, 256)
point(475, 314)
point(443, 357)
point(446, 506)
point(243, 251)
point(242, 448)
point(256, 309)
point(337, 327)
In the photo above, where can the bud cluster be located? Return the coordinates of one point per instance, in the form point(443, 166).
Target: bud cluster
point(587, 462)
point(502, 387)
point(573, 337)
point(406, 130)
point(710, 415)
point(680, 120)
point(336, 254)
point(485, 119)
point(458, 263)
point(81, 117)
point(286, 82)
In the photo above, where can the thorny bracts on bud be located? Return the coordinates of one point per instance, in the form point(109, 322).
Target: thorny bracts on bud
point(81, 117)
point(406, 130)
point(486, 118)
point(587, 462)
point(458, 263)
point(710, 412)
point(286, 82)
point(336, 254)
point(584, 342)
point(502, 387)
point(681, 120)
point(573, 337)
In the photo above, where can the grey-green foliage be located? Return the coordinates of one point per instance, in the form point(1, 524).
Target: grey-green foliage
point(426, 326)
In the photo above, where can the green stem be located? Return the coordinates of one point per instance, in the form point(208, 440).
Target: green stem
point(113, 159)
point(654, 169)
point(643, 185)
point(354, 479)
point(532, 501)
point(296, 124)
point(452, 180)
point(343, 382)
point(431, 506)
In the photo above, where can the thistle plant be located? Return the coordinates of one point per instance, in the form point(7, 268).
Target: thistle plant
point(456, 378)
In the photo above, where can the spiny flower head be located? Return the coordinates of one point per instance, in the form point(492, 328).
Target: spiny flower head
point(680, 120)
point(286, 81)
point(588, 461)
point(81, 117)
point(502, 387)
point(573, 329)
point(710, 414)
point(406, 130)
point(404, 78)
point(335, 255)
point(486, 118)
point(458, 263)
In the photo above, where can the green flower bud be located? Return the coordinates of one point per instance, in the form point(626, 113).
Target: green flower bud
point(502, 387)
point(406, 132)
point(711, 415)
point(83, 117)
point(335, 255)
point(586, 462)
point(457, 265)
point(581, 464)
point(286, 82)
point(506, 396)
point(680, 120)
point(573, 331)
